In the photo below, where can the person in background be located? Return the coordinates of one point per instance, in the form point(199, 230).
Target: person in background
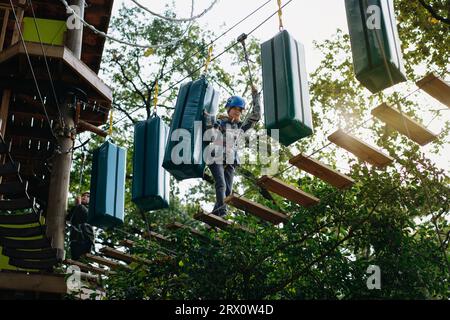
point(81, 233)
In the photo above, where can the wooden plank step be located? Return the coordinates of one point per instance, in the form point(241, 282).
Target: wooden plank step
point(25, 244)
point(360, 149)
point(22, 232)
point(14, 188)
point(436, 87)
point(47, 264)
point(87, 268)
point(404, 124)
point(104, 262)
point(216, 221)
point(322, 171)
point(257, 209)
point(177, 226)
point(16, 204)
point(156, 236)
point(128, 243)
point(18, 219)
point(289, 192)
point(47, 253)
point(119, 255)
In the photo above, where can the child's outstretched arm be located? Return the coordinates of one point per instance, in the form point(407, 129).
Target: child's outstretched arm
point(255, 116)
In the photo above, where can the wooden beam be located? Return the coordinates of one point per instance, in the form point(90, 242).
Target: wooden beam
point(86, 126)
point(19, 12)
point(436, 87)
point(216, 221)
point(3, 29)
point(104, 262)
point(45, 283)
point(4, 109)
point(256, 209)
point(322, 171)
point(293, 194)
point(360, 149)
point(403, 124)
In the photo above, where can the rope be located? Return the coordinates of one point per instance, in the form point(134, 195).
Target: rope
point(155, 98)
point(176, 19)
point(280, 15)
point(127, 43)
point(208, 59)
point(110, 132)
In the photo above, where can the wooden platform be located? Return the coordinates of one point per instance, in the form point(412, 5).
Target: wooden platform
point(404, 124)
point(45, 283)
point(256, 209)
point(322, 171)
point(360, 149)
point(436, 87)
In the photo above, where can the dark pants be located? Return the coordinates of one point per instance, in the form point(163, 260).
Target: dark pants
point(223, 176)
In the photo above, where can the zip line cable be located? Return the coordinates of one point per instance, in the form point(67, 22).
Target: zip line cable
point(124, 42)
point(176, 19)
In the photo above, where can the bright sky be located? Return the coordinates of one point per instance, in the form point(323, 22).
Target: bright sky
point(307, 21)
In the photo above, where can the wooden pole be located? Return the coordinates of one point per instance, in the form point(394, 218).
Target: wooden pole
point(62, 162)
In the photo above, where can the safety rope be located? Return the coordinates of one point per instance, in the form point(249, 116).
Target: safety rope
point(155, 96)
point(280, 15)
point(208, 59)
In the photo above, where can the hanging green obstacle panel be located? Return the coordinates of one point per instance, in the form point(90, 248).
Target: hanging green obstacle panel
point(150, 181)
point(183, 157)
point(106, 209)
point(286, 92)
point(377, 56)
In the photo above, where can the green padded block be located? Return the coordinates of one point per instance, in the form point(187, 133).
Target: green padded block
point(377, 56)
point(194, 98)
point(50, 31)
point(106, 209)
point(286, 92)
point(150, 181)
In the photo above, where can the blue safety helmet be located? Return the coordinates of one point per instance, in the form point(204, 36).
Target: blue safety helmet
point(235, 102)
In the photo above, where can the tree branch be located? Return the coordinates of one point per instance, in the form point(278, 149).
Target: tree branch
point(433, 12)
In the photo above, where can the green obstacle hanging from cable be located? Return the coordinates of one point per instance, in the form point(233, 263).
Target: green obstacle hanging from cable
point(377, 56)
point(286, 92)
point(183, 157)
point(150, 181)
point(106, 208)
